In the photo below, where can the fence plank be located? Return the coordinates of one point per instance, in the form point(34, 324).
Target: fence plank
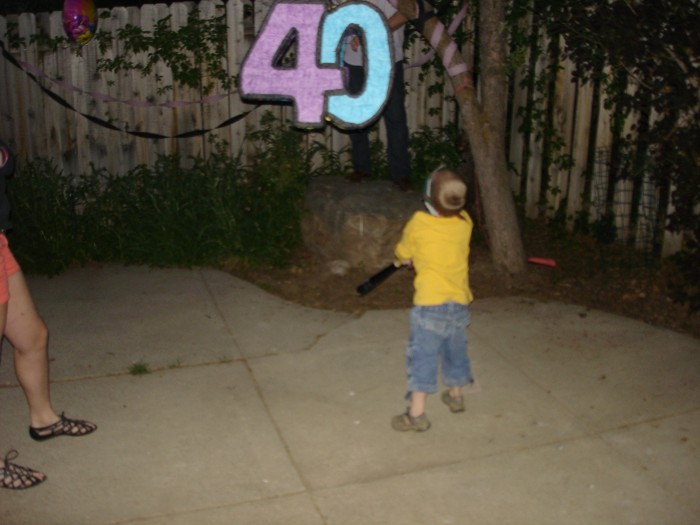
point(213, 113)
point(121, 17)
point(564, 118)
point(236, 46)
point(106, 83)
point(27, 107)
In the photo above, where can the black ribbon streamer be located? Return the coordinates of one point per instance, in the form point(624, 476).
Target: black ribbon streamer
point(101, 122)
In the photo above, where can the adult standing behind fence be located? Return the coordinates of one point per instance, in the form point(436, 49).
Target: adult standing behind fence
point(394, 113)
point(25, 330)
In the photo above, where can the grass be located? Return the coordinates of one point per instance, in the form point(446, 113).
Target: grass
point(139, 369)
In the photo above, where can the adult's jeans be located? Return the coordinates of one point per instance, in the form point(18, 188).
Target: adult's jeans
point(396, 123)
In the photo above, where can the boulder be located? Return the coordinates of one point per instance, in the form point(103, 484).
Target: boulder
point(356, 223)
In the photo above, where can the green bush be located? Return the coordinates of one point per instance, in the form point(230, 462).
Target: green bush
point(168, 214)
point(684, 282)
point(45, 219)
point(429, 148)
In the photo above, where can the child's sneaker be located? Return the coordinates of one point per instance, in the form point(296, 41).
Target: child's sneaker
point(456, 404)
point(404, 422)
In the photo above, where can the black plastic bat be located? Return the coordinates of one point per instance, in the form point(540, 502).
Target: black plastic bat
point(376, 279)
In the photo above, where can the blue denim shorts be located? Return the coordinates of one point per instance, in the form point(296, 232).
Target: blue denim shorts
point(438, 337)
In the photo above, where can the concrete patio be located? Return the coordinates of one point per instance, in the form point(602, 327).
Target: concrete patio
point(259, 411)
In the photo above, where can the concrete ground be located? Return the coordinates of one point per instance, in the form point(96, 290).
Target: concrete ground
point(258, 411)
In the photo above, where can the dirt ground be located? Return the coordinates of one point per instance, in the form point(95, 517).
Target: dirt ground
point(584, 275)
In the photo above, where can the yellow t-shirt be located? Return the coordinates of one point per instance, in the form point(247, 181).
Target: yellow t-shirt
point(439, 250)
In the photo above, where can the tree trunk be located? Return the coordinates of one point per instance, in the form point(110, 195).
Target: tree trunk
point(484, 122)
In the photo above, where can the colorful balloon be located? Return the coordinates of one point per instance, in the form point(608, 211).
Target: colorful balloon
point(80, 20)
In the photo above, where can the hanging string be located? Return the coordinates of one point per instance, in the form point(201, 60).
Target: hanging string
point(105, 124)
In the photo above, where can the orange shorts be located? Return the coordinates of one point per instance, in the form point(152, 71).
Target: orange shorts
point(8, 267)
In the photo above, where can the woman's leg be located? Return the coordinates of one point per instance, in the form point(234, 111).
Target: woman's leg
point(28, 334)
point(13, 476)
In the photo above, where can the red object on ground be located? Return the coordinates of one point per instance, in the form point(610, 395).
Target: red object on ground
point(543, 262)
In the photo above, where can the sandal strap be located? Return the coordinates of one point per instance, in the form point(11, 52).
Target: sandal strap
point(63, 427)
point(10, 456)
point(49, 429)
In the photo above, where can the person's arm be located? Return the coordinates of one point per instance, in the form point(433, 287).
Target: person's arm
point(402, 254)
point(396, 21)
point(403, 250)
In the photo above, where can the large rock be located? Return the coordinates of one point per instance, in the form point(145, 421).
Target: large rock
point(359, 223)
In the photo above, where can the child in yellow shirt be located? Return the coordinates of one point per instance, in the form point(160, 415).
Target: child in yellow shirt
point(436, 243)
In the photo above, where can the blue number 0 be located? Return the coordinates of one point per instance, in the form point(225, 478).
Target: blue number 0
point(358, 111)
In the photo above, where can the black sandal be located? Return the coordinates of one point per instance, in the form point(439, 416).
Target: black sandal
point(17, 477)
point(62, 427)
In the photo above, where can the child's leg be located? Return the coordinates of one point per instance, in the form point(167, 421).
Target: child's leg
point(456, 366)
point(417, 403)
point(455, 391)
point(422, 359)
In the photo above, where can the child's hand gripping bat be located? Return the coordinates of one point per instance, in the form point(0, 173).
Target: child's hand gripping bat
point(378, 278)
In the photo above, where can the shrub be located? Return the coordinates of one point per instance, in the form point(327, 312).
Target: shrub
point(685, 281)
point(45, 219)
point(165, 215)
point(429, 148)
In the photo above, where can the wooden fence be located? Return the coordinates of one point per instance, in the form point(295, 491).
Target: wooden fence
point(40, 127)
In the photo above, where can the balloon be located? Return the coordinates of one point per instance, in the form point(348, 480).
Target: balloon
point(80, 20)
